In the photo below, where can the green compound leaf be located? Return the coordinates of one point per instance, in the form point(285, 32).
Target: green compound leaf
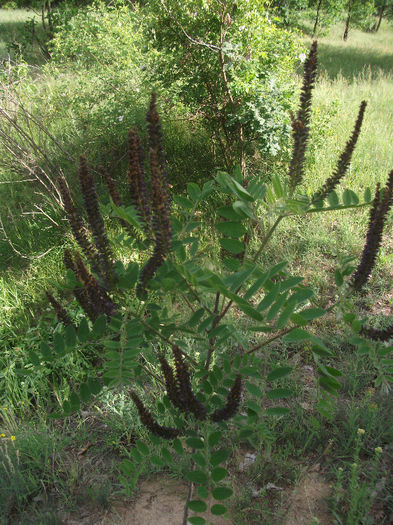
point(219, 456)
point(156, 460)
point(195, 443)
point(34, 358)
point(177, 446)
point(46, 351)
point(127, 467)
point(279, 393)
point(243, 210)
point(203, 492)
point(199, 459)
point(58, 344)
point(221, 493)
point(167, 455)
point(197, 520)
point(333, 199)
point(83, 331)
point(84, 392)
point(231, 229)
point(99, 326)
point(338, 278)
point(367, 195)
point(136, 456)
point(232, 245)
point(278, 411)
point(196, 476)
point(194, 191)
point(278, 373)
point(228, 213)
point(253, 389)
point(214, 438)
point(197, 505)
point(143, 448)
point(70, 336)
point(218, 474)
point(75, 402)
point(94, 386)
point(218, 510)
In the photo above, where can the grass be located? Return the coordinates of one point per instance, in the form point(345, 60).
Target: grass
point(13, 31)
point(44, 472)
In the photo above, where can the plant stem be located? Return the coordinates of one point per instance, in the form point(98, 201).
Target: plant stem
point(267, 237)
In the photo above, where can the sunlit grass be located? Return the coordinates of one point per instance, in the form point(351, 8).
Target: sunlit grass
point(349, 73)
point(11, 23)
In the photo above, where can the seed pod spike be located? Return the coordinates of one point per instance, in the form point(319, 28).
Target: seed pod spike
point(160, 200)
point(78, 226)
point(136, 179)
point(301, 123)
point(80, 293)
point(96, 222)
point(171, 384)
point(232, 404)
point(378, 214)
point(344, 160)
point(61, 313)
point(148, 421)
point(185, 393)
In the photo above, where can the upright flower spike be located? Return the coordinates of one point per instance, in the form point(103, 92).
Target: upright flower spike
point(112, 188)
point(61, 313)
point(148, 421)
point(78, 226)
point(160, 200)
point(378, 213)
point(232, 404)
point(136, 179)
point(300, 124)
point(186, 397)
point(80, 293)
point(103, 304)
point(344, 160)
point(96, 222)
point(171, 384)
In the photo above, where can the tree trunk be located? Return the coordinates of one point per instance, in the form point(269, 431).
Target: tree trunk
point(317, 18)
point(380, 16)
point(346, 30)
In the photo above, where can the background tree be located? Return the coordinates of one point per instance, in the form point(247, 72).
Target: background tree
point(228, 62)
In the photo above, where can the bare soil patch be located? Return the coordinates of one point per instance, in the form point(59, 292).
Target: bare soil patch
point(308, 501)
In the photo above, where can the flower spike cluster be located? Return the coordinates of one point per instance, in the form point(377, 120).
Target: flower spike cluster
point(92, 297)
point(378, 213)
point(180, 394)
point(78, 227)
point(148, 421)
point(136, 179)
point(301, 124)
point(96, 223)
point(344, 160)
point(232, 404)
point(160, 200)
point(61, 313)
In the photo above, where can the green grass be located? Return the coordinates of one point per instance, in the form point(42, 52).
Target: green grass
point(12, 30)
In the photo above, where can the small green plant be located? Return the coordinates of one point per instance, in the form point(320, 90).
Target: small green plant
point(359, 492)
point(201, 362)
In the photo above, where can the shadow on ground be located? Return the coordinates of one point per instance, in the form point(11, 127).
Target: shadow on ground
point(350, 61)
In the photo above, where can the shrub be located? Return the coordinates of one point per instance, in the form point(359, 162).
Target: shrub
point(203, 360)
